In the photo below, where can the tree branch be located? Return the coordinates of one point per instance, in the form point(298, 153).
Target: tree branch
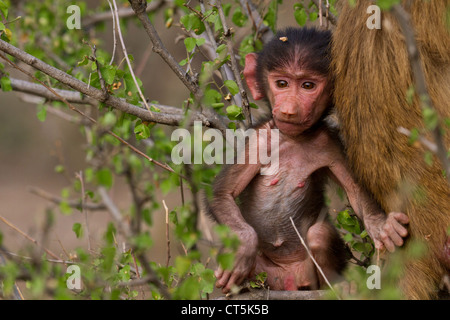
point(77, 204)
point(260, 27)
point(325, 12)
point(172, 119)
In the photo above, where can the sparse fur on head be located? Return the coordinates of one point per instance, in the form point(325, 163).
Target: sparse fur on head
point(299, 48)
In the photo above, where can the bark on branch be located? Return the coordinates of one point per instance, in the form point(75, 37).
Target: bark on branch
point(173, 119)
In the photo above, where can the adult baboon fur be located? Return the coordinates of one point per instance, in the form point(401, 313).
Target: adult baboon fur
point(372, 78)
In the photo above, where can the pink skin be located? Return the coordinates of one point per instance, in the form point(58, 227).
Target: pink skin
point(298, 99)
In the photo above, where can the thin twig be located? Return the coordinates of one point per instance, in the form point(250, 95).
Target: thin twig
point(261, 29)
point(77, 204)
point(115, 212)
point(313, 259)
point(83, 207)
point(328, 15)
point(320, 14)
point(27, 236)
point(124, 49)
point(167, 233)
point(114, 33)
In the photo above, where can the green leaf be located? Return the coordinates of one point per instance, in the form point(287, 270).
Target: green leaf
point(193, 23)
point(387, 4)
point(109, 119)
point(59, 168)
point(109, 73)
point(226, 260)
point(84, 62)
point(105, 177)
point(4, 8)
point(5, 83)
point(143, 241)
point(182, 265)
point(211, 96)
point(218, 105)
point(301, 16)
point(430, 118)
point(109, 254)
point(189, 289)
point(78, 229)
point(414, 135)
point(270, 18)
point(190, 44)
point(365, 248)
point(428, 157)
point(183, 62)
point(207, 281)
point(200, 41)
point(41, 112)
point(313, 16)
point(142, 131)
point(2, 26)
point(239, 18)
point(232, 86)
point(65, 208)
point(109, 235)
point(410, 95)
point(234, 112)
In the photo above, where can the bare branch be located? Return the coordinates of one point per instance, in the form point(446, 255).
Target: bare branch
point(167, 233)
point(260, 28)
point(77, 204)
point(324, 10)
point(8, 223)
point(114, 33)
point(115, 212)
point(172, 119)
point(83, 200)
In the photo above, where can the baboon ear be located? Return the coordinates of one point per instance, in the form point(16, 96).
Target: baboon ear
point(250, 75)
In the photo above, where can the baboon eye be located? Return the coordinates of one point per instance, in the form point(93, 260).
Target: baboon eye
point(281, 83)
point(308, 85)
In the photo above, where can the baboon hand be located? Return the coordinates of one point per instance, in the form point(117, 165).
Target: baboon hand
point(244, 263)
point(392, 231)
